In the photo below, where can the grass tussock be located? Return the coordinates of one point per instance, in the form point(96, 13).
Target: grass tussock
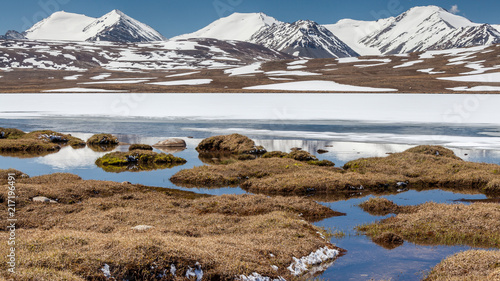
point(102, 139)
point(277, 175)
point(16, 143)
point(137, 160)
point(299, 155)
point(468, 266)
point(140, 147)
point(421, 167)
point(378, 206)
point(10, 133)
point(233, 144)
point(91, 225)
point(476, 225)
point(431, 166)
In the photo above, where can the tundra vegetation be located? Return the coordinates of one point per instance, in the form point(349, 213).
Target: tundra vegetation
point(475, 225)
point(137, 160)
point(14, 142)
point(140, 231)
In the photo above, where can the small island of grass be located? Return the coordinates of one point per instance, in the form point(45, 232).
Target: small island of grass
point(138, 160)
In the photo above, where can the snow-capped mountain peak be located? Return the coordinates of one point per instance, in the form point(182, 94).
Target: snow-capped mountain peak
point(237, 26)
point(114, 26)
point(302, 38)
point(118, 27)
point(60, 26)
point(417, 29)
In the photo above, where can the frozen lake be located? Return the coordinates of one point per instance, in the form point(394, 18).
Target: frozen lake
point(349, 126)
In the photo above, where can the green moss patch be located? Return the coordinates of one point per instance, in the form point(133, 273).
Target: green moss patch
point(138, 160)
point(102, 139)
point(140, 147)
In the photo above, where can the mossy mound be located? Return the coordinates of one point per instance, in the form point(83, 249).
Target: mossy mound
point(137, 160)
point(299, 155)
point(38, 143)
point(102, 139)
point(55, 137)
point(475, 225)
point(140, 147)
point(10, 133)
point(234, 144)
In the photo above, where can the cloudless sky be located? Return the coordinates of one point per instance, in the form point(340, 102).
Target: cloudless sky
point(175, 17)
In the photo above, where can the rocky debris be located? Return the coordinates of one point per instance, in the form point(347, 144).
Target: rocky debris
point(43, 199)
point(142, 227)
point(173, 142)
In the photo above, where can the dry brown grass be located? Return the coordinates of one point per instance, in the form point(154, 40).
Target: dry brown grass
point(473, 265)
point(91, 226)
point(378, 206)
point(476, 225)
point(38, 143)
point(422, 167)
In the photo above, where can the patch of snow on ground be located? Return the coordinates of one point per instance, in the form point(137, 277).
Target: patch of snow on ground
point(183, 82)
point(478, 68)
point(81, 90)
point(116, 82)
point(281, 79)
point(301, 265)
point(292, 67)
point(257, 277)
point(298, 62)
point(248, 69)
point(476, 89)
point(290, 73)
point(68, 56)
point(408, 64)
point(105, 269)
point(488, 77)
point(369, 65)
point(73, 77)
point(356, 59)
point(430, 71)
point(451, 52)
point(101, 76)
point(326, 86)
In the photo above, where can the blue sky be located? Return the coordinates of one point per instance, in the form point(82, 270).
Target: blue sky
point(175, 17)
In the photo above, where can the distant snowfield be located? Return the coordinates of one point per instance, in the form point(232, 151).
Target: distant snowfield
point(82, 90)
point(183, 82)
point(476, 89)
point(488, 77)
point(317, 86)
point(408, 108)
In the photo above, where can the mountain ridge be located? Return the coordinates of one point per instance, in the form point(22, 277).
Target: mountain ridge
point(115, 26)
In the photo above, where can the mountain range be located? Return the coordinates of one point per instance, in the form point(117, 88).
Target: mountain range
point(418, 29)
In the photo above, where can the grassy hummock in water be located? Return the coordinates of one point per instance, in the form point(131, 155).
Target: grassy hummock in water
point(17, 143)
point(468, 266)
point(94, 224)
point(476, 225)
point(422, 167)
point(137, 160)
point(140, 147)
point(232, 144)
point(102, 139)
